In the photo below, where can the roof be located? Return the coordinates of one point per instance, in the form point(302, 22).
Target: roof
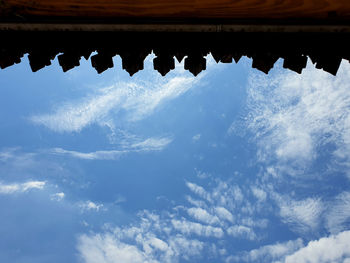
point(180, 9)
point(264, 30)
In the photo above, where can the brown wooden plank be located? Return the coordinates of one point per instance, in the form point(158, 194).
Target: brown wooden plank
point(101, 8)
point(197, 9)
point(273, 9)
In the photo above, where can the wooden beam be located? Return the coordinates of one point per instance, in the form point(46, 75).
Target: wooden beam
point(179, 9)
point(225, 28)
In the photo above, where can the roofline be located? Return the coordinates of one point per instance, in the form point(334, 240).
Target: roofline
point(175, 27)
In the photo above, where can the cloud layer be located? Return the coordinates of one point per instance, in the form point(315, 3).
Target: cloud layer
point(130, 101)
point(148, 145)
point(328, 249)
point(186, 232)
point(334, 248)
point(21, 187)
point(294, 116)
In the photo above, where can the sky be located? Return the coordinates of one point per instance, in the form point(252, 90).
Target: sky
point(230, 166)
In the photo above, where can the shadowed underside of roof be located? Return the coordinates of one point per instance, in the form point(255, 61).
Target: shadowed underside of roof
point(264, 30)
point(325, 50)
point(180, 9)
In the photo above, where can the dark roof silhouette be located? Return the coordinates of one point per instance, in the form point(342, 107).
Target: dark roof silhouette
point(264, 30)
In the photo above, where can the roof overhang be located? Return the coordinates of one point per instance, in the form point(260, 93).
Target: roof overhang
point(264, 30)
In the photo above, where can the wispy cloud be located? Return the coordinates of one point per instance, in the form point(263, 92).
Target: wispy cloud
point(270, 253)
point(151, 144)
point(74, 116)
point(106, 249)
point(214, 214)
point(148, 241)
point(239, 231)
point(227, 205)
point(338, 213)
point(21, 187)
point(90, 206)
point(9, 153)
point(202, 215)
point(259, 193)
point(57, 196)
point(196, 137)
point(302, 215)
point(199, 190)
point(295, 120)
point(148, 145)
point(201, 174)
point(98, 155)
point(292, 116)
point(224, 214)
point(127, 101)
point(334, 248)
point(188, 228)
point(17, 157)
point(312, 215)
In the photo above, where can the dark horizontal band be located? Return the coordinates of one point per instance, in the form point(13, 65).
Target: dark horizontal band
point(160, 27)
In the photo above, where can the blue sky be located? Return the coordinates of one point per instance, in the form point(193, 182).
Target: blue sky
point(230, 166)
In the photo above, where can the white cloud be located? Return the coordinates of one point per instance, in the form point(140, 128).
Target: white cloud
point(259, 193)
point(21, 187)
point(196, 137)
point(151, 240)
point(291, 120)
point(10, 188)
point(198, 190)
point(215, 212)
point(72, 117)
point(150, 144)
point(302, 215)
point(227, 205)
point(294, 115)
point(310, 214)
point(173, 236)
point(334, 248)
point(106, 249)
point(57, 196)
point(338, 213)
point(98, 155)
point(202, 215)
point(260, 223)
point(229, 195)
point(240, 231)
point(120, 199)
point(188, 227)
point(328, 249)
point(148, 98)
point(298, 122)
point(18, 159)
point(33, 185)
point(224, 214)
point(269, 253)
point(237, 193)
point(201, 174)
point(90, 206)
point(131, 101)
point(7, 154)
point(185, 247)
point(196, 202)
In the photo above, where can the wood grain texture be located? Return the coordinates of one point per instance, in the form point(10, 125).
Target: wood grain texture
point(194, 9)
